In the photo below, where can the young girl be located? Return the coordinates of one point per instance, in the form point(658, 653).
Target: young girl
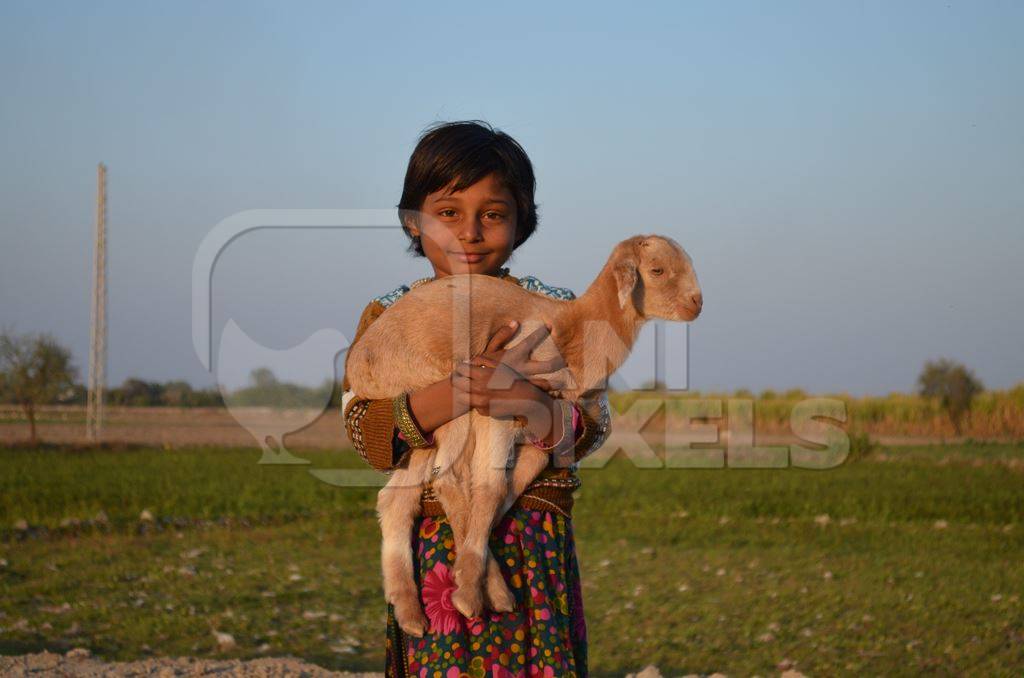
point(468, 202)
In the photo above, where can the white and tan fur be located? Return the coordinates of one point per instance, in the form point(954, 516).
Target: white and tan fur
point(418, 341)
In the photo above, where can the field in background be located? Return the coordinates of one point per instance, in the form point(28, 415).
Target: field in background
point(895, 419)
point(902, 562)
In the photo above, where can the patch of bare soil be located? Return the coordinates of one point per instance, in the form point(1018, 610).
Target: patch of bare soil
point(79, 662)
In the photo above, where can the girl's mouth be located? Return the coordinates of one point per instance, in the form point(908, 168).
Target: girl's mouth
point(469, 257)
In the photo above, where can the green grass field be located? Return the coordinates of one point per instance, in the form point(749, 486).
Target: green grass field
point(918, 567)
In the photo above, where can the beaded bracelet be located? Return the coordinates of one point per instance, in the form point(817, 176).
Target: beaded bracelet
point(407, 429)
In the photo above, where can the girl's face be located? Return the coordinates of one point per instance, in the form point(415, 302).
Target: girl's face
point(471, 231)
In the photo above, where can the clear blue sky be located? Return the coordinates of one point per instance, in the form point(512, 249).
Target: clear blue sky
point(846, 175)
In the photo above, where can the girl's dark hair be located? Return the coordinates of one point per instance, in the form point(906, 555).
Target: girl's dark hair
point(462, 153)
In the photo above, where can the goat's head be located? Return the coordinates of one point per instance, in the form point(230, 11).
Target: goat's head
point(656, 276)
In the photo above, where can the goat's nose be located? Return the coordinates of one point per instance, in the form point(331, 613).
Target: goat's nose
point(697, 299)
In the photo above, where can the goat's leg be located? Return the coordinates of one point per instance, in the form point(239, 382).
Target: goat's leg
point(499, 596)
point(489, 487)
point(398, 504)
point(457, 505)
point(529, 463)
point(452, 488)
point(455, 447)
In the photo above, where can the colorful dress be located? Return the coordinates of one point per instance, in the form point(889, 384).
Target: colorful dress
point(533, 543)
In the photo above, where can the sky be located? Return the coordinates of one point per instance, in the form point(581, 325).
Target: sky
point(846, 176)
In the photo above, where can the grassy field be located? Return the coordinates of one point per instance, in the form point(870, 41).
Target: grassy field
point(909, 561)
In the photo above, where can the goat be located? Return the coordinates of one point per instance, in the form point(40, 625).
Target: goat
point(418, 341)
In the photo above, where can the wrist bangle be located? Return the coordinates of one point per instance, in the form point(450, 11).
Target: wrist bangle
point(407, 429)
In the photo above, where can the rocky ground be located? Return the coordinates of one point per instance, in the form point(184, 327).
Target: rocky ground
point(79, 662)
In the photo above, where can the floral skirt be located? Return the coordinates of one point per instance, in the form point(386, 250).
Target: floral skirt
point(544, 636)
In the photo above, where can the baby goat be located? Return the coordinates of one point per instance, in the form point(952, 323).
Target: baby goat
point(418, 341)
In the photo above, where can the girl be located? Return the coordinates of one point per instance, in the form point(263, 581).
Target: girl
point(468, 202)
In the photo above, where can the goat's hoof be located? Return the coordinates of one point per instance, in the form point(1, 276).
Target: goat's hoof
point(468, 601)
point(499, 597)
point(413, 622)
point(409, 615)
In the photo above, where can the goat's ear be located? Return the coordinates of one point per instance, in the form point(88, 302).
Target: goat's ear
point(627, 261)
point(625, 280)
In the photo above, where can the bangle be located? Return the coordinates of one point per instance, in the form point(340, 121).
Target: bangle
point(570, 417)
point(407, 428)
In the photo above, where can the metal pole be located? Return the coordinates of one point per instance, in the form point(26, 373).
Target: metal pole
point(98, 342)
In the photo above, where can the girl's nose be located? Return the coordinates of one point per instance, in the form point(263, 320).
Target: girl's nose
point(470, 230)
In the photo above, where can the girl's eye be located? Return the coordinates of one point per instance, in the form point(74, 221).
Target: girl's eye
point(495, 215)
point(447, 213)
point(657, 271)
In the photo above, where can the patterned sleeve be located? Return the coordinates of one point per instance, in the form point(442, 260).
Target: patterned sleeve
point(370, 424)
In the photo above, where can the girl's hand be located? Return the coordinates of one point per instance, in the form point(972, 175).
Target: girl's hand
point(518, 357)
point(505, 388)
point(498, 391)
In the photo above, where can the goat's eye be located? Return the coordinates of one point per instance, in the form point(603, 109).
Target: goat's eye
point(657, 271)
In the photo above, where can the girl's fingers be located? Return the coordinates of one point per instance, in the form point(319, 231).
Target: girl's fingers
point(461, 383)
point(472, 379)
point(474, 373)
point(542, 384)
point(548, 384)
point(543, 366)
point(501, 337)
point(477, 362)
point(484, 379)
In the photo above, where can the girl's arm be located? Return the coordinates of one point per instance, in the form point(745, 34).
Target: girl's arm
point(376, 436)
point(371, 429)
point(370, 424)
point(594, 421)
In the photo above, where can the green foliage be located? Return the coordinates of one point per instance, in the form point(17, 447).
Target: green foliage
point(140, 393)
point(34, 370)
point(861, 446)
point(267, 391)
point(952, 385)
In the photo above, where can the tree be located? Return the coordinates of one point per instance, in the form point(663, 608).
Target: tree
point(953, 385)
point(140, 393)
point(34, 370)
point(177, 394)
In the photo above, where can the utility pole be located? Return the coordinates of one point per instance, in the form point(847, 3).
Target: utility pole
point(98, 342)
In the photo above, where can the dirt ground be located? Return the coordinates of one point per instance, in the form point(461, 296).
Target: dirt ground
point(171, 426)
point(78, 662)
point(178, 427)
